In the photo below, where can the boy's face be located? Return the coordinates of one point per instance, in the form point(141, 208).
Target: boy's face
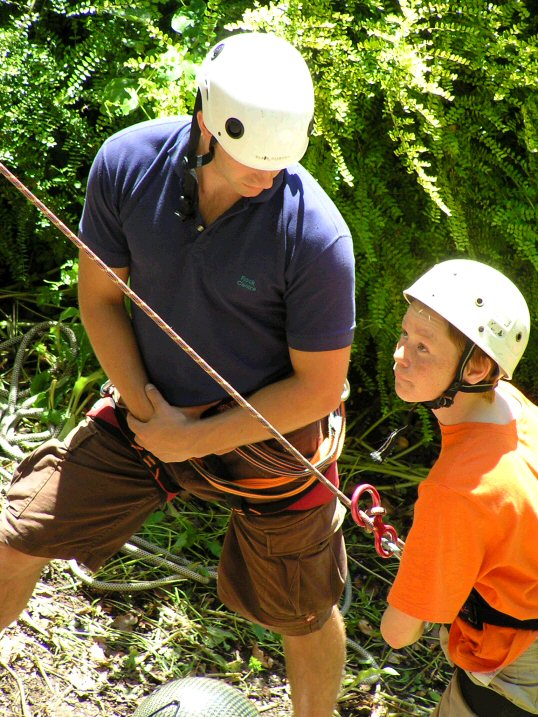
point(426, 359)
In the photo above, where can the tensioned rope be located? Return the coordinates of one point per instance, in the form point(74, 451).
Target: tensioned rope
point(391, 543)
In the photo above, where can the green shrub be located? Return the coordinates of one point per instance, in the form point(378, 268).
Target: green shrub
point(426, 129)
point(426, 138)
point(71, 73)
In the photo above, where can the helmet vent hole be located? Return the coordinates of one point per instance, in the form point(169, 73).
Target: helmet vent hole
point(481, 329)
point(519, 336)
point(479, 302)
point(234, 128)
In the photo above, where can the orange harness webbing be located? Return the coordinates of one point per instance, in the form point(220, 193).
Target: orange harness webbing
point(284, 467)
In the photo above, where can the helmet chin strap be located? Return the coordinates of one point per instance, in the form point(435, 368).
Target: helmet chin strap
point(445, 400)
point(195, 161)
point(188, 201)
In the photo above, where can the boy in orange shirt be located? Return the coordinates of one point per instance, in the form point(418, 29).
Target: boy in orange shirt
point(471, 557)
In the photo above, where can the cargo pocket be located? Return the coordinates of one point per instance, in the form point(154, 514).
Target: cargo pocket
point(310, 554)
point(34, 472)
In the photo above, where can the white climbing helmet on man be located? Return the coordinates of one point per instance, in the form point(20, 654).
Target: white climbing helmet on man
point(258, 99)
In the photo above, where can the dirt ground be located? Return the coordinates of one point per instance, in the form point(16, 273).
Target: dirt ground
point(77, 654)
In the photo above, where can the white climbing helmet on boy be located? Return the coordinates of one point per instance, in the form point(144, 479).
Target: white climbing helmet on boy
point(482, 303)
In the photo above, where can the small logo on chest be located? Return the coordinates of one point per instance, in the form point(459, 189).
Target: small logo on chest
point(245, 283)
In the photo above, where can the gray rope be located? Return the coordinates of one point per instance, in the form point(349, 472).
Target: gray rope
point(363, 652)
point(17, 404)
point(154, 555)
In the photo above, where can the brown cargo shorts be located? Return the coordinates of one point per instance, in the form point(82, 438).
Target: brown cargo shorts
point(84, 497)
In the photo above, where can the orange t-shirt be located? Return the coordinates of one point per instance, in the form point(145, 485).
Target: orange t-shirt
point(476, 525)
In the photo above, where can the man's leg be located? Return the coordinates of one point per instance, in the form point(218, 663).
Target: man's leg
point(315, 666)
point(81, 498)
point(18, 575)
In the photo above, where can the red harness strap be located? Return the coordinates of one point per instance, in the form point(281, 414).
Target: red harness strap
point(319, 494)
point(104, 412)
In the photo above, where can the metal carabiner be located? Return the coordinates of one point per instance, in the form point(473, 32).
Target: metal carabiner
point(372, 519)
point(384, 532)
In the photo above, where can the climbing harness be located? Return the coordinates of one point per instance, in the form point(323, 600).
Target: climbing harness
point(283, 484)
point(477, 612)
point(385, 539)
point(280, 488)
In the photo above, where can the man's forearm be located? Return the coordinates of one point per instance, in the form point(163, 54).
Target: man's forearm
point(287, 405)
point(312, 391)
point(111, 335)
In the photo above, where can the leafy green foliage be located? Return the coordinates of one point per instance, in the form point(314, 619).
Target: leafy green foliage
point(426, 138)
point(71, 73)
point(48, 373)
point(426, 128)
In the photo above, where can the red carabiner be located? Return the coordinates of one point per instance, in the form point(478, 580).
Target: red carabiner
point(356, 512)
point(375, 523)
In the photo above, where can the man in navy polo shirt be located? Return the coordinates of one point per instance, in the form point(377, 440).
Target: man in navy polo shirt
point(220, 230)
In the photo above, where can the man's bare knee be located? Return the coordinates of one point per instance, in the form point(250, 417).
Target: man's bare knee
point(15, 565)
point(19, 574)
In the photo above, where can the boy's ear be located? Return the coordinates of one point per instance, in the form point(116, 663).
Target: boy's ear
point(479, 368)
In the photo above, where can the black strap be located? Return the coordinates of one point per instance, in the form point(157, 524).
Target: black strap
point(476, 611)
point(485, 702)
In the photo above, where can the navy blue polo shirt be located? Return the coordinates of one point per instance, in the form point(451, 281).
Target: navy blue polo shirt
point(275, 271)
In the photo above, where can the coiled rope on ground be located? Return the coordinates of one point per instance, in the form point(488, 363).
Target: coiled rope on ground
point(17, 404)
